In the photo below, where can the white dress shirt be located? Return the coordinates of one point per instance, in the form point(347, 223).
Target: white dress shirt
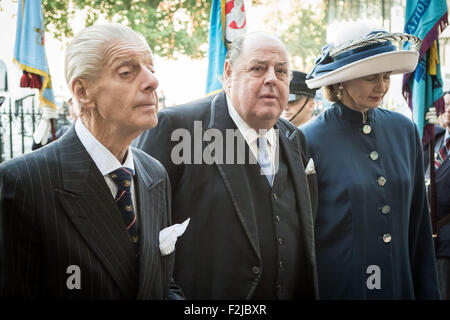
point(105, 161)
point(251, 135)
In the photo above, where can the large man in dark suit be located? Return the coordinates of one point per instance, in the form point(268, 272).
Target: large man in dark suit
point(442, 187)
point(81, 217)
point(251, 230)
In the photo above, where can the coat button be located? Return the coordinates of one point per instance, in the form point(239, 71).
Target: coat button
point(255, 270)
point(374, 155)
point(277, 219)
point(381, 181)
point(275, 196)
point(367, 129)
point(387, 238)
point(281, 264)
point(385, 209)
point(280, 240)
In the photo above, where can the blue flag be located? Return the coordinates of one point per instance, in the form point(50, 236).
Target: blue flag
point(29, 50)
point(422, 88)
point(227, 21)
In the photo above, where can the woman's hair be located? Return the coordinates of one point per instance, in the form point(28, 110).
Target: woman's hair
point(331, 93)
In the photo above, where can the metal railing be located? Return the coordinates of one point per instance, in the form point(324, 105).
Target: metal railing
point(18, 122)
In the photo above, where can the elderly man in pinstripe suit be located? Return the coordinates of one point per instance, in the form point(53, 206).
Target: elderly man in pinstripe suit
point(64, 231)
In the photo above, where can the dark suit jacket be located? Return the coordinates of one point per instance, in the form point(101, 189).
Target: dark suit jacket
point(57, 211)
point(216, 255)
point(442, 180)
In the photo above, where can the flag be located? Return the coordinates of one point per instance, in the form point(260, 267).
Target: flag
point(227, 21)
point(422, 88)
point(29, 50)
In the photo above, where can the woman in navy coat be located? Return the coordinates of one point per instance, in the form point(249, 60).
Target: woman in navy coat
point(373, 232)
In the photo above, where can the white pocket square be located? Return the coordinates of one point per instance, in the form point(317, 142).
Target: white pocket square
point(310, 167)
point(168, 237)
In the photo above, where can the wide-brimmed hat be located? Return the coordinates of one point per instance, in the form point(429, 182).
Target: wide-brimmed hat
point(359, 50)
point(298, 87)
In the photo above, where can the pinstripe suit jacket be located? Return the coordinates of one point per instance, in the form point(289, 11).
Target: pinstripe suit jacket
point(56, 211)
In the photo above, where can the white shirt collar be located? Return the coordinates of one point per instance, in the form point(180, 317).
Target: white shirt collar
point(105, 161)
point(250, 134)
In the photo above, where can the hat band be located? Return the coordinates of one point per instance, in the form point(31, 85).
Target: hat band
point(297, 95)
point(354, 55)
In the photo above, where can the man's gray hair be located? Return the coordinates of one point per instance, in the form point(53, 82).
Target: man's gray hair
point(235, 48)
point(86, 53)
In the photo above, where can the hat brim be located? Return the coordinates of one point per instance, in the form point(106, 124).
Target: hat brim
point(395, 62)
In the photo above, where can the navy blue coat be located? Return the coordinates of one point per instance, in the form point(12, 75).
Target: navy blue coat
point(372, 210)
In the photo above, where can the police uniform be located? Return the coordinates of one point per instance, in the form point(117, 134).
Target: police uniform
point(297, 90)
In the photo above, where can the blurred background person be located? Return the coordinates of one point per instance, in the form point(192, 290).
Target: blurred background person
point(301, 100)
point(442, 190)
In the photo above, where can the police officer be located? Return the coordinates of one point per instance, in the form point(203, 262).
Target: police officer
point(301, 101)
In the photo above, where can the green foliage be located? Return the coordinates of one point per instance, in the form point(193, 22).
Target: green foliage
point(303, 29)
point(169, 26)
point(56, 13)
point(181, 26)
point(306, 38)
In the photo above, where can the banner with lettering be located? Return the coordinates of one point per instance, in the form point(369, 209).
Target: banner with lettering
point(423, 88)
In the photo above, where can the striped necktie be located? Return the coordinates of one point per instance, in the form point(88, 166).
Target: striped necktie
point(442, 154)
point(123, 178)
point(264, 159)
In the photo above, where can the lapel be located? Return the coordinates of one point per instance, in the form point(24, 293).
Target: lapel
point(443, 170)
point(95, 216)
point(440, 172)
point(444, 167)
point(232, 174)
point(289, 144)
point(439, 134)
point(149, 193)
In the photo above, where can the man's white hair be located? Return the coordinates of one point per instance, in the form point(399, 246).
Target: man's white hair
point(86, 53)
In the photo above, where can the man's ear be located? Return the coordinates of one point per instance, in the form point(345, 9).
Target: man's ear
point(83, 94)
point(311, 104)
point(227, 74)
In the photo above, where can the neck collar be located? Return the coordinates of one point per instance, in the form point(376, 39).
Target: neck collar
point(354, 116)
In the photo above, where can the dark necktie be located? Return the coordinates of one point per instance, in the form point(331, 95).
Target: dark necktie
point(123, 178)
point(442, 154)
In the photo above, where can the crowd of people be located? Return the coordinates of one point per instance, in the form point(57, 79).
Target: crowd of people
point(243, 194)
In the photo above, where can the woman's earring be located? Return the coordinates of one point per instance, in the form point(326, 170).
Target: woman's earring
point(339, 91)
